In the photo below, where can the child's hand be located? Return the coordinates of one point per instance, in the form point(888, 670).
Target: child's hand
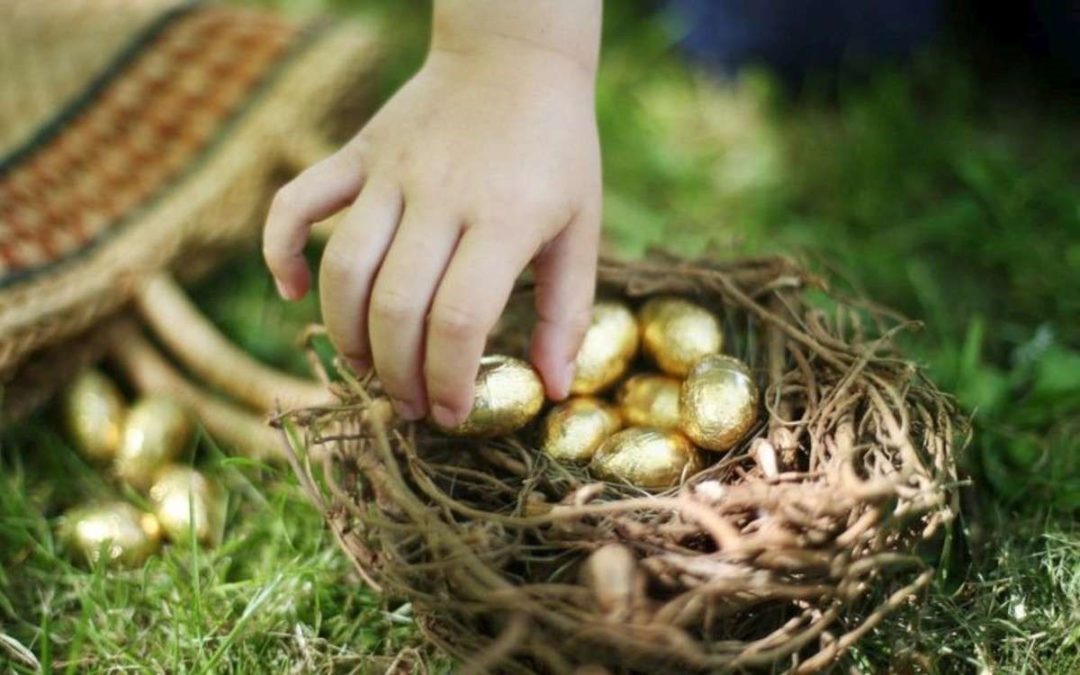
point(486, 160)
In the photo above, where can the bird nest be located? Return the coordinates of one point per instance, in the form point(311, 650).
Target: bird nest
point(779, 554)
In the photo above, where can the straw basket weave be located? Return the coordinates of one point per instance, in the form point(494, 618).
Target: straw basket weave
point(136, 137)
point(779, 555)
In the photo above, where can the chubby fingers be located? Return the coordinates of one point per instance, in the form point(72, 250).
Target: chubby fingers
point(318, 192)
point(349, 264)
point(406, 289)
point(472, 295)
point(401, 298)
point(565, 286)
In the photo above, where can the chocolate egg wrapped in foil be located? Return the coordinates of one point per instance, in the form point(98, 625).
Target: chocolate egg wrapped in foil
point(188, 504)
point(117, 532)
point(677, 333)
point(650, 400)
point(646, 457)
point(93, 411)
point(610, 344)
point(575, 429)
point(156, 431)
point(719, 403)
point(508, 395)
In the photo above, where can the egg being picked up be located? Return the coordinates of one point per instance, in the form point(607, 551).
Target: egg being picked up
point(650, 400)
point(645, 457)
point(156, 431)
point(677, 333)
point(718, 405)
point(575, 429)
point(508, 395)
point(610, 344)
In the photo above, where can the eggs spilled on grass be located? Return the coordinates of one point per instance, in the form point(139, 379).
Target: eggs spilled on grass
point(93, 411)
point(156, 431)
point(116, 531)
point(188, 504)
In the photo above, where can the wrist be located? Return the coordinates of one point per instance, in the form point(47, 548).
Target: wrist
point(510, 69)
point(559, 35)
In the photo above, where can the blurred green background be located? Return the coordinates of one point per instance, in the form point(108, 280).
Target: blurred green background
point(945, 187)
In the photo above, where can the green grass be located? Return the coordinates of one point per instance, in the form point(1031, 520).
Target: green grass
point(947, 197)
point(275, 594)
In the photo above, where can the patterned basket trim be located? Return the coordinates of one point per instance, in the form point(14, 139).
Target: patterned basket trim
point(138, 128)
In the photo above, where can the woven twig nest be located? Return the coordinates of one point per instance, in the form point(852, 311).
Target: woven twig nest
point(781, 553)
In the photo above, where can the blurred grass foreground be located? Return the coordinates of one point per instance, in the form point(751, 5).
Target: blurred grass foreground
point(944, 186)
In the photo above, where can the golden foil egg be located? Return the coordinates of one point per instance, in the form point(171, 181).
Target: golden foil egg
point(575, 429)
point(188, 503)
point(609, 345)
point(117, 531)
point(649, 400)
point(93, 412)
point(508, 396)
point(155, 433)
point(677, 333)
point(646, 457)
point(719, 403)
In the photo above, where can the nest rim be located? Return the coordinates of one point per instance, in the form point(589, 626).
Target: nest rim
point(853, 465)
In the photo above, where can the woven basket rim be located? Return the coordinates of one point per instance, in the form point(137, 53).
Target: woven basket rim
point(213, 205)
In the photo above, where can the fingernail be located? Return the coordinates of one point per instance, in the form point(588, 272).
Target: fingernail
point(359, 365)
point(407, 410)
point(567, 380)
point(444, 416)
point(282, 290)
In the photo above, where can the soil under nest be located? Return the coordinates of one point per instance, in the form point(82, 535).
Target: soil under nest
point(780, 554)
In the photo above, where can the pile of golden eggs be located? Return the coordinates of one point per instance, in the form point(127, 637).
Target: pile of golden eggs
point(650, 428)
point(140, 446)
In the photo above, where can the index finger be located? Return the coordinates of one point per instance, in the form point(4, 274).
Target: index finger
point(318, 192)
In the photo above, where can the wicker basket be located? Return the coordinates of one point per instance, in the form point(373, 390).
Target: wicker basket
point(156, 152)
point(780, 554)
